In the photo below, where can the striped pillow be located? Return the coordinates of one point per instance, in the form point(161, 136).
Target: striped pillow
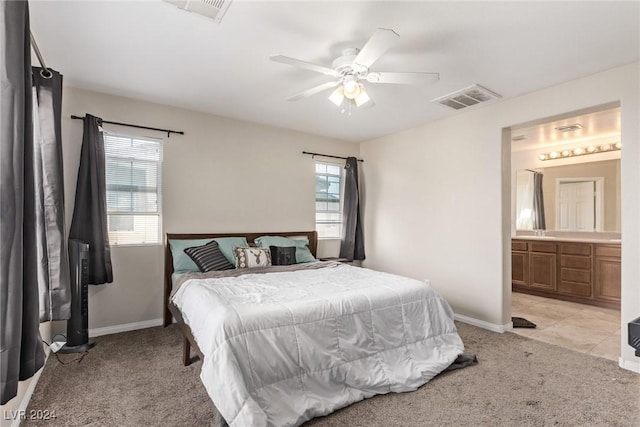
point(209, 257)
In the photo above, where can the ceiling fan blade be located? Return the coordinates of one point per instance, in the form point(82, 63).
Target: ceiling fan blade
point(403, 78)
point(314, 90)
point(303, 64)
point(381, 41)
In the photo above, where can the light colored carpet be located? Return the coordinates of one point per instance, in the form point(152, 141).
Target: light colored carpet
point(136, 378)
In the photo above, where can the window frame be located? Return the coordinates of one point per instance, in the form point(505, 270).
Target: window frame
point(160, 142)
point(341, 209)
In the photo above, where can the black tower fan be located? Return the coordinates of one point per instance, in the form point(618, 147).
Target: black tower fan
point(634, 335)
point(78, 324)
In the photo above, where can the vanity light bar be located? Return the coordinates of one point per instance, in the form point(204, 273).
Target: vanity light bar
point(581, 151)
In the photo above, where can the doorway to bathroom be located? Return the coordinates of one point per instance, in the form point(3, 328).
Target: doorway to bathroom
point(566, 229)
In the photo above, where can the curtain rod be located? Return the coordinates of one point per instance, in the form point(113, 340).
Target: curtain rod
point(45, 70)
point(168, 131)
point(327, 155)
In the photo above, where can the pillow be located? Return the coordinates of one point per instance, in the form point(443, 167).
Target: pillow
point(226, 245)
point(181, 261)
point(183, 264)
point(252, 257)
point(281, 255)
point(303, 254)
point(209, 257)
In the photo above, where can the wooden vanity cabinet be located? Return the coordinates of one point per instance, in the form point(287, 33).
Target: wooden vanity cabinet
point(542, 266)
point(576, 269)
point(607, 273)
point(519, 264)
point(587, 273)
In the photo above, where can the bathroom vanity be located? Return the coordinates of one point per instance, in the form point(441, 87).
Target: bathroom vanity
point(582, 270)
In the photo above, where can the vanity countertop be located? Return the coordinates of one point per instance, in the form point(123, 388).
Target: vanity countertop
point(581, 239)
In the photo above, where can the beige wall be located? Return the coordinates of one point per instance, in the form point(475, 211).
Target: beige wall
point(223, 175)
point(609, 170)
point(438, 199)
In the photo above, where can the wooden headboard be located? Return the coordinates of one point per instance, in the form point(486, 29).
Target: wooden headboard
point(168, 257)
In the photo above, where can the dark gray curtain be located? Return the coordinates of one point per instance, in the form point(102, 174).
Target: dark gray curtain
point(352, 244)
point(89, 223)
point(539, 222)
point(47, 187)
point(21, 352)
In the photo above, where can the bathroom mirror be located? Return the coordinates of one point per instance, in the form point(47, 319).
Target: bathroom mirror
point(579, 197)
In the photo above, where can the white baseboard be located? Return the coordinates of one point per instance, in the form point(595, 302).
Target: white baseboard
point(482, 324)
point(629, 365)
point(107, 330)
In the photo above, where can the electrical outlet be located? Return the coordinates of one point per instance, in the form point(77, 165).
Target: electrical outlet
point(57, 345)
point(427, 282)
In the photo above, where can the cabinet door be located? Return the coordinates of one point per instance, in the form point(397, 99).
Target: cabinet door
point(607, 279)
point(542, 271)
point(520, 268)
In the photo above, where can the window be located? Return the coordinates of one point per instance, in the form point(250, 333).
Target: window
point(133, 171)
point(329, 200)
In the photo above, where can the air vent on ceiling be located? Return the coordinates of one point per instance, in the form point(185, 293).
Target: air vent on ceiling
point(569, 128)
point(214, 9)
point(466, 97)
point(519, 138)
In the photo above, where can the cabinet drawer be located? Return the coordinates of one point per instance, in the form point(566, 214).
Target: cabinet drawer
point(518, 245)
point(542, 247)
point(608, 251)
point(577, 289)
point(576, 261)
point(575, 248)
point(573, 275)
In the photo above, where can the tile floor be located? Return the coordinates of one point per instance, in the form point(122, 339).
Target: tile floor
point(584, 328)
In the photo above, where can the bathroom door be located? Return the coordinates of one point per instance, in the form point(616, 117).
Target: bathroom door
point(576, 207)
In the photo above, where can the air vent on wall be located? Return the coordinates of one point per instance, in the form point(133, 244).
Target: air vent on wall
point(466, 97)
point(569, 128)
point(519, 138)
point(214, 9)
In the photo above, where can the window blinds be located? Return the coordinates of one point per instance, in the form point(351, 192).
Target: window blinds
point(133, 177)
point(328, 200)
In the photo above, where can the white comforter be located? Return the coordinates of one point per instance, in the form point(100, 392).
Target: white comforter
point(282, 348)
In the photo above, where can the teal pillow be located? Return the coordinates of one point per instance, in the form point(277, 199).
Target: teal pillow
point(226, 245)
point(182, 263)
point(303, 254)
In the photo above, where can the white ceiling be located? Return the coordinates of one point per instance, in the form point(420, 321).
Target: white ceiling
point(151, 50)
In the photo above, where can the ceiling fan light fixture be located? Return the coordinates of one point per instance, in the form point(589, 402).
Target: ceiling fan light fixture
point(337, 96)
point(362, 98)
point(351, 88)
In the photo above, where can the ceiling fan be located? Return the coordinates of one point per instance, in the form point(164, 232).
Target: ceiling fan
point(351, 71)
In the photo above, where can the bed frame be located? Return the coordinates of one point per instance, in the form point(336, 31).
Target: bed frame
point(171, 311)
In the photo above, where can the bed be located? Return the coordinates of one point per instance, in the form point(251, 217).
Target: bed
point(281, 345)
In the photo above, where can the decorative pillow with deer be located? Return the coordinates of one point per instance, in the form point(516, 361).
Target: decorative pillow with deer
point(252, 257)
